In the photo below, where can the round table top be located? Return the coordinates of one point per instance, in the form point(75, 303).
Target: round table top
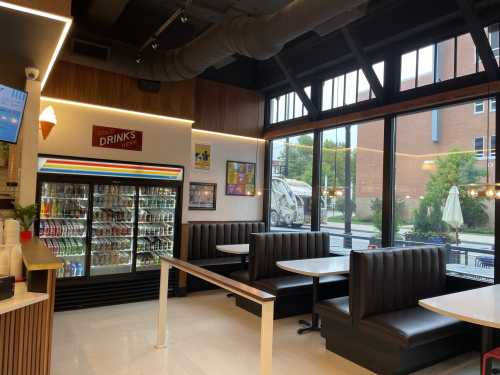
point(478, 306)
point(239, 249)
point(316, 267)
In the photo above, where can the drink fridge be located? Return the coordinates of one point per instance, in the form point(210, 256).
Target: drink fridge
point(108, 222)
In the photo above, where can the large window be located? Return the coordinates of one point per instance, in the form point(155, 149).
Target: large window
point(428, 169)
point(351, 185)
point(350, 88)
point(291, 183)
point(287, 107)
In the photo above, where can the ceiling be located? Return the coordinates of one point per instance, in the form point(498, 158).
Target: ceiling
point(131, 22)
point(28, 40)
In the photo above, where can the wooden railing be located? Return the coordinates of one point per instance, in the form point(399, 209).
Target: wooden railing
point(266, 300)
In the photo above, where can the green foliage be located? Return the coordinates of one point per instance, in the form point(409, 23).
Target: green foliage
point(459, 169)
point(376, 207)
point(25, 215)
point(298, 157)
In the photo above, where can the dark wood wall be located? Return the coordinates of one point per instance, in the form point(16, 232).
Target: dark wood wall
point(228, 109)
point(214, 106)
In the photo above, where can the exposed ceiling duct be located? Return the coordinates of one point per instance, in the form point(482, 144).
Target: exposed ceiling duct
point(255, 37)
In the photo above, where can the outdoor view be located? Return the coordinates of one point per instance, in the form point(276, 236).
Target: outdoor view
point(439, 154)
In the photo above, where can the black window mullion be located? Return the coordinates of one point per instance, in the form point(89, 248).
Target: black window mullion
point(434, 63)
point(497, 207)
point(455, 58)
point(316, 182)
point(416, 68)
point(388, 194)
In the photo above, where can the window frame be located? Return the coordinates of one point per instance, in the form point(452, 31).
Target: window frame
point(476, 104)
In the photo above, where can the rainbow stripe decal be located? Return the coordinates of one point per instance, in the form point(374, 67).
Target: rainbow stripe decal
point(108, 169)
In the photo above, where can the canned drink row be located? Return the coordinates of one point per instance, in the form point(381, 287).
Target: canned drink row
point(62, 228)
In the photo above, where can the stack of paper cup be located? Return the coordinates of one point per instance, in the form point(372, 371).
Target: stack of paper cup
point(5, 260)
point(16, 262)
point(11, 232)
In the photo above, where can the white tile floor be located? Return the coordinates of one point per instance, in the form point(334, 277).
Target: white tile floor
point(208, 336)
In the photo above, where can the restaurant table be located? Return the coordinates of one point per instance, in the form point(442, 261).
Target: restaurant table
point(238, 249)
point(315, 268)
point(477, 306)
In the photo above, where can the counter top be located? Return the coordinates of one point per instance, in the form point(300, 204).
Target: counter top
point(38, 257)
point(22, 298)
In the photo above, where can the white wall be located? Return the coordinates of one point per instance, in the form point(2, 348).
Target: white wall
point(229, 148)
point(27, 146)
point(164, 142)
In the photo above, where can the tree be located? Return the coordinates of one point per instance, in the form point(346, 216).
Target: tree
point(459, 169)
point(376, 207)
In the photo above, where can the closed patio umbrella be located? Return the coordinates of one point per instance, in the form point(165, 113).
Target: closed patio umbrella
point(452, 213)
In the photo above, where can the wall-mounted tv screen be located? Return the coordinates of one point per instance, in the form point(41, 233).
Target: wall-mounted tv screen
point(12, 104)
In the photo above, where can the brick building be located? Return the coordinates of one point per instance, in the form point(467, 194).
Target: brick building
point(424, 136)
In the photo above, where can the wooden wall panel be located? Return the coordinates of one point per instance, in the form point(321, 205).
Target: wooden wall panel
point(25, 347)
point(214, 106)
point(84, 84)
point(228, 109)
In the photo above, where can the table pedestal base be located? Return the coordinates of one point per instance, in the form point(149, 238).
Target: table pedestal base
point(308, 327)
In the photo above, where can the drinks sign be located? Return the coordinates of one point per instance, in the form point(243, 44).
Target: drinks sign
point(123, 139)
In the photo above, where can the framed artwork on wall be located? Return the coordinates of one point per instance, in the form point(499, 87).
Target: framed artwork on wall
point(202, 196)
point(202, 156)
point(240, 178)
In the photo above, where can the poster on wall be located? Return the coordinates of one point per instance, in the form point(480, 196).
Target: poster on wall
point(202, 196)
point(240, 178)
point(122, 139)
point(202, 156)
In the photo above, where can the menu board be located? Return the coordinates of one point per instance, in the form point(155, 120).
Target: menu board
point(240, 178)
point(12, 104)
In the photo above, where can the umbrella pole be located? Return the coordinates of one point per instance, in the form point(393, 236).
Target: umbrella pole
point(456, 235)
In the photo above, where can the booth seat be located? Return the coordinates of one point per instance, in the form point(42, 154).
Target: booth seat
point(293, 292)
point(203, 237)
point(380, 325)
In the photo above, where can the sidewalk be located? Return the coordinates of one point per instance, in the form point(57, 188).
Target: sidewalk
point(368, 228)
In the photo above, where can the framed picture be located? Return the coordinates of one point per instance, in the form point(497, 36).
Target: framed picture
point(240, 178)
point(202, 156)
point(202, 196)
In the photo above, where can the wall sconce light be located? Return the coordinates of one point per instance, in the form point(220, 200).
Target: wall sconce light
point(47, 121)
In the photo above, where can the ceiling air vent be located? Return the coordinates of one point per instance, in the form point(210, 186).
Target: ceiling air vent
point(90, 49)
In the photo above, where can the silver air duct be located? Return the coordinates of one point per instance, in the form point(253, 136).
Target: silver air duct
point(256, 37)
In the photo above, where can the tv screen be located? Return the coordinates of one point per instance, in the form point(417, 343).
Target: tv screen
point(12, 104)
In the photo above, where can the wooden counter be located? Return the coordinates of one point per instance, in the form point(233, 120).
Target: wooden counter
point(26, 319)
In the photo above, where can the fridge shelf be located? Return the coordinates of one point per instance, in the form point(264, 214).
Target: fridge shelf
point(111, 236)
point(114, 195)
point(158, 195)
point(114, 208)
point(156, 208)
point(113, 222)
point(101, 266)
point(70, 255)
point(63, 236)
point(153, 236)
point(62, 218)
point(157, 222)
point(65, 197)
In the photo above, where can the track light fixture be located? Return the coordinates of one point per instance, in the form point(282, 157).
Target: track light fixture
point(184, 18)
point(139, 58)
point(155, 44)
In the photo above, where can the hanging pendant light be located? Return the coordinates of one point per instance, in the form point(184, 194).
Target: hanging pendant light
point(47, 121)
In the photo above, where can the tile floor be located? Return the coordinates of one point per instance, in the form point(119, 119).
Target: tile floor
point(208, 336)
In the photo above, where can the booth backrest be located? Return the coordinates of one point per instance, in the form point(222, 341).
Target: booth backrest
point(268, 248)
point(204, 236)
point(394, 279)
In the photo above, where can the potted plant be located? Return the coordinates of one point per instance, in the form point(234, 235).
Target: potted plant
point(25, 216)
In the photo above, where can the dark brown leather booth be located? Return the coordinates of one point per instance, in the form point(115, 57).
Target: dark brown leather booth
point(203, 237)
point(380, 325)
point(293, 292)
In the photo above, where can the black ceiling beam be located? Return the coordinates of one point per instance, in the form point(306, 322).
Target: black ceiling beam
point(311, 108)
point(363, 62)
point(480, 38)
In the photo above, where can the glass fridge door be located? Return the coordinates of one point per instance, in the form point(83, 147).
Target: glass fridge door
point(156, 225)
point(113, 219)
point(63, 224)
